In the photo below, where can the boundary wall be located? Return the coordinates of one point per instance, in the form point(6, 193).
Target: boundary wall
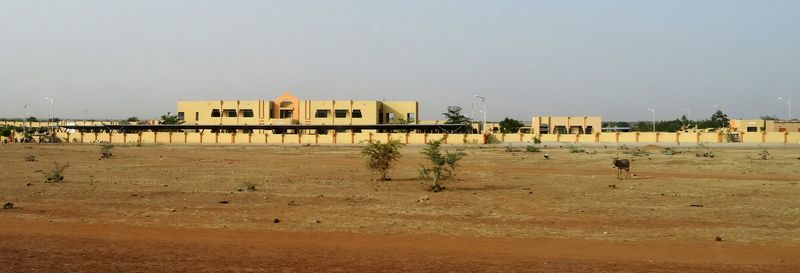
point(420, 138)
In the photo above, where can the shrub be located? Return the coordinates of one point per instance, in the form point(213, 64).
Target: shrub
point(443, 165)
point(636, 151)
point(381, 156)
point(764, 154)
point(537, 140)
point(671, 151)
point(703, 151)
point(248, 186)
point(531, 149)
point(510, 148)
point(575, 149)
point(30, 158)
point(57, 173)
point(106, 151)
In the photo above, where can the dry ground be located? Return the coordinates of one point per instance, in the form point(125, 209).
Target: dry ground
point(157, 209)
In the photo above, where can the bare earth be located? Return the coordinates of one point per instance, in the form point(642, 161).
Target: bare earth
point(157, 209)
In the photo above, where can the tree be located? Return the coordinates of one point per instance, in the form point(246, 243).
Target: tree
point(381, 156)
point(134, 119)
point(768, 117)
point(509, 125)
point(454, 115)
point(719, 119)
point(32, 119)
point(170, 119)
point(444, 165)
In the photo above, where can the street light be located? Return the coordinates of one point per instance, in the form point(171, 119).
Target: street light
point(654, 118)
point(483, 99)
point(52, 108)
point(789, 104)
point(27, 113)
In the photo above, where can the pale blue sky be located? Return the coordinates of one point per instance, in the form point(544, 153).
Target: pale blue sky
point(609, 58)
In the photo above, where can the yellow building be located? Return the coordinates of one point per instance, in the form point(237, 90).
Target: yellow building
point(287, 109)
point(566, 125)
point(761, 125)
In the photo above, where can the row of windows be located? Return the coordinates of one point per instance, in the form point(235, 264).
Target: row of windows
point(231, 113)
point(338, 113)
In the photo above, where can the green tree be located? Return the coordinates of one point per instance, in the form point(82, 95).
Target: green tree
point(768, 117)
point(170, 119)
point(454, 115)
point(134, 119)
point(719, 119)
point(443, 165)
point(32, 119)
point(381, 156)
point(509, 125)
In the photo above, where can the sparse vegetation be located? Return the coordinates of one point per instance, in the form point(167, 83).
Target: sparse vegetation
point(671, 151)
point(575, 149)
point(536, 140)
point(703, 151)
point(444, 165)
point(381, 156)
point(511, 149)
point(636, 151)
point(532, 149)
point(764, 153)
point(30, 158)
point(247, 186)
point(106, 151)
point(57, 173)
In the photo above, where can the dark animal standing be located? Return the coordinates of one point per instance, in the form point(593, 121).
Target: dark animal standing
point(622, 164)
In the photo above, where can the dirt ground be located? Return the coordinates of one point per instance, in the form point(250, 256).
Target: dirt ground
point(162, 208)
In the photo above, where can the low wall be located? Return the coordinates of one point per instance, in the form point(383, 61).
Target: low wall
point(414, 138)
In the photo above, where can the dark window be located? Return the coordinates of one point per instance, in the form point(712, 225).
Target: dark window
point(248, 113)
point(752, 129)
point(357, 113)
point(196, 116)
point(411, 117)
point(180, 116)
point(286, 114)
point(231, 113)
point(341, 113)
point(560, 130)
point(589, 130)
point(322, 113)
point(215, 113)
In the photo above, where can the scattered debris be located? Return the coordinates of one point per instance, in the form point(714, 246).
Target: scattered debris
point(423, 199)
point(224, 202)
point(317, 221)
point(30, 158)
point(696, 205)
point(276, 220)
point(718, 239)
point(8, 205)
point(546, 156)
point(613, 186)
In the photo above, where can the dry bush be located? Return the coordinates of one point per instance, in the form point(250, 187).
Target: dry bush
point(57, 173)
point(381, 156)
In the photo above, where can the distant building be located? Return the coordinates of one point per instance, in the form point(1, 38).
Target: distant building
point(761, 125)
point(566, 125)
point(288, 109)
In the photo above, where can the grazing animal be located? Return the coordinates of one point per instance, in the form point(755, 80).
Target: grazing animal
point(622, 164)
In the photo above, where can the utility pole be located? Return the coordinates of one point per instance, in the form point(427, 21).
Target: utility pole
point(483, 99)
point(789, 104)
point(24, 117)
point(52, 109)
point(654, 118)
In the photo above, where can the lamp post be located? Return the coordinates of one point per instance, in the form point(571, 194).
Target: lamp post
point(654, 118)
point(483, 99)
point(52, 108)
point(789, 104)
point(25, 129)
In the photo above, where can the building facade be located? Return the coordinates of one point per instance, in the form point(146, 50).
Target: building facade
point(566, 125)
point(288, 109)
point(761, 125)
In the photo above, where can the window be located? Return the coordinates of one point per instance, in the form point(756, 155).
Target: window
point(286, 114)
point(248, 113)
point(231, 113)
point(215, 113)
point(357, 113)
point(196, 116)
point(389, 118)
point(589, 130)
point(180, 116)
point(752, 129)
point(560, 129)
point(411, 117)
point(341, 113)
point(322, 113)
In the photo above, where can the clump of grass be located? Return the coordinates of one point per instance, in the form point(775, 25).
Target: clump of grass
point(703, 151)
point(636, 151)
point(532, 149)
point(764, 153)
point(575, 149)
point(30, 158)
point(247, 186)
point(671, 151)
point(57, 173)
point(106, 151)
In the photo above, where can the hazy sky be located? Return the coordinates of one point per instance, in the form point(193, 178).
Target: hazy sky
point(608, 58)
